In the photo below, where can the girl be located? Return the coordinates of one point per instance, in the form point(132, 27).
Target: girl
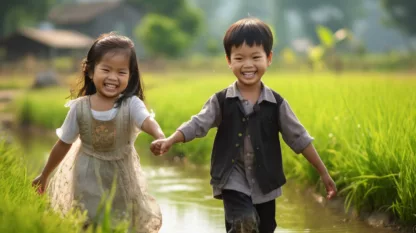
point(106, 117)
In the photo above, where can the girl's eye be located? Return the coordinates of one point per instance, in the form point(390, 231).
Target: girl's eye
point(257, 57)
point(123, 73)
point(238, 58)
point(105, 70)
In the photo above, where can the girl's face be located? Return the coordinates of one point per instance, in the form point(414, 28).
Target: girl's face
point(111, 74)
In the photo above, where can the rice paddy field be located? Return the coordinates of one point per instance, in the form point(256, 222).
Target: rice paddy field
point(364, 125)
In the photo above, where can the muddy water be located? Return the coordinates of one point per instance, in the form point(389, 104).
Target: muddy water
point(185, 197)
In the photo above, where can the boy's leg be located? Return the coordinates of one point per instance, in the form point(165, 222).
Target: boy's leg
point(267, 213)
point(240, 213)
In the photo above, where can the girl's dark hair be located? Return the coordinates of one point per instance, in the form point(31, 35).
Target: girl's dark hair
point(250, 30)
point(102, 45)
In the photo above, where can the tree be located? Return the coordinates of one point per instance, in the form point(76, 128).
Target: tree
point(177, 14)
point(188, 18)
point(17, 13)
point(401, 13)
point(161, 36)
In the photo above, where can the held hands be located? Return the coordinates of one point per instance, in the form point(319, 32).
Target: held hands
point(330, 186)
point(40, 183)
point(160, 146)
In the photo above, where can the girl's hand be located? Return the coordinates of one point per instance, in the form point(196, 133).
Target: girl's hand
point(40, 183)
point(160, 146)
point(330, 186)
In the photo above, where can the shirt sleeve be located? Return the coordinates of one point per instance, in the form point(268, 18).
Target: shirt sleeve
point(199, 125)
point(69, 130)
point(138, 111)
point(293, 132)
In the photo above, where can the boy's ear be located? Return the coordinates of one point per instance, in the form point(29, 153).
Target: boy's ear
point(269, 58)
point(228, 60)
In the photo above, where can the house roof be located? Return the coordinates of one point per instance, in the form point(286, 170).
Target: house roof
point(62, 39)
point(80, 12)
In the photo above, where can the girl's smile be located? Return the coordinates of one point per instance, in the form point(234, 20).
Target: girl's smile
point(111, 74)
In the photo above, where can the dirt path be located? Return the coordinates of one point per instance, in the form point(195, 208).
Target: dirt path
point(6, 97)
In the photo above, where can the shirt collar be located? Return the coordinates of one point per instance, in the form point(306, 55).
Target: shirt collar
point(265, 95)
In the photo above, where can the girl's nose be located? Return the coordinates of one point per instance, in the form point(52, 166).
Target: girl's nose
point(112, 76)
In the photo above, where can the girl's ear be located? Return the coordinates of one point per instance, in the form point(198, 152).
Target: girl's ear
point(91, 73)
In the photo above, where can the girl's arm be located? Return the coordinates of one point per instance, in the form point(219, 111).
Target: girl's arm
point(143, 119)
point(151, 127)
point(59, 150)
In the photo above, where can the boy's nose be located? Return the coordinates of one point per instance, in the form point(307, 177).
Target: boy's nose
point(247, 63)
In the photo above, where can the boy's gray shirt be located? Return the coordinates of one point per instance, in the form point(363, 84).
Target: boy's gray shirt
point(242, 177)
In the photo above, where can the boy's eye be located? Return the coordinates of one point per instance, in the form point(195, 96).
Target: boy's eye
point(257, 57)
point(238, 58)
point(105, 70)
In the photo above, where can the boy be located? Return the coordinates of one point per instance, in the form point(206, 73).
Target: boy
point(246, 169)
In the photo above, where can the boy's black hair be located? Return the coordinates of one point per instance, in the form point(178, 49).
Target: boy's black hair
point(110, 42)
point(250, 30)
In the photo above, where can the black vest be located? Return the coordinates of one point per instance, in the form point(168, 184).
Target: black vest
point(263, 128)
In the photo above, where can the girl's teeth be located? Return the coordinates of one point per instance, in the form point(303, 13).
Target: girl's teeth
point(110, 86)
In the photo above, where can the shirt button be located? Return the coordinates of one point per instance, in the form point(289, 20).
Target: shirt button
point(244, 119)
point(249, 168)
point(232, 161)
point(240, 134)
point(237, 145)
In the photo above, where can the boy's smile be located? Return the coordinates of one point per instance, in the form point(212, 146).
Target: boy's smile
point(249, 63)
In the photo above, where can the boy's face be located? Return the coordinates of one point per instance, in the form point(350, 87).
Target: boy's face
point(249, 63)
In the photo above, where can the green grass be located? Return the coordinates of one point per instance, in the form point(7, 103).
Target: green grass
point(43, 107)
point(22, 210)
point(364, 128)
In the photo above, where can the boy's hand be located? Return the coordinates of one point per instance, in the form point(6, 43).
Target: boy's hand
point(160, 146)
point(330, 186)
point(40, 183)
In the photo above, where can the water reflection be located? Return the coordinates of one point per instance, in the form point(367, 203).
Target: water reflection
point(185, 197)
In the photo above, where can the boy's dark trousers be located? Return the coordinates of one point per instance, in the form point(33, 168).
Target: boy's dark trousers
point(242, 216)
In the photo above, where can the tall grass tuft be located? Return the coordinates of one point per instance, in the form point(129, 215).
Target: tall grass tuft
point(22, 210)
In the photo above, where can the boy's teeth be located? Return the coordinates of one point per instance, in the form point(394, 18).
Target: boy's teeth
point(248, 74)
